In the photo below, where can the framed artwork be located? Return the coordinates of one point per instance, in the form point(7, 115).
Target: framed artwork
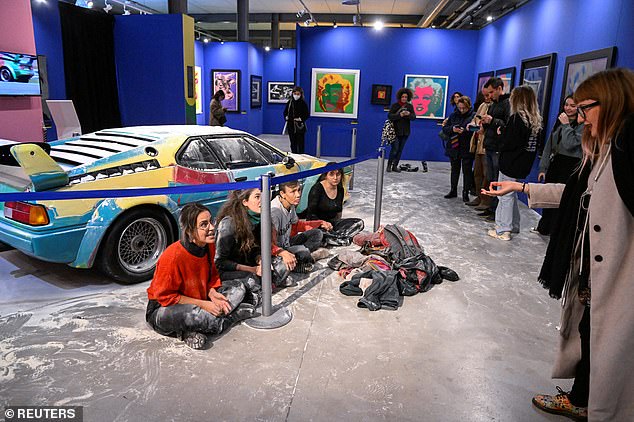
point(430, 95)
point(381, 94)
point(229, 82)
point(508, 77)
point(335, 93)
point(537, 73)
point(581, 66)
point(256, 91)
point(482, 79)
point(198, 90)
point(280, 92)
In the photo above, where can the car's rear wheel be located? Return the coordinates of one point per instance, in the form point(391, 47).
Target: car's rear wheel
point(5, 75)
point(134, 244)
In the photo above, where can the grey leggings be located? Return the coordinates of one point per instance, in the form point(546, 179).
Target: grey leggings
point(174, 320)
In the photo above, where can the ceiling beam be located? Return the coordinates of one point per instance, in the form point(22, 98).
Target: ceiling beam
point(292, 17)
point(426, 23)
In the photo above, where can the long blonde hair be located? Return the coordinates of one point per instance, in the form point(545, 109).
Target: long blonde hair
point(614, 90)
point(524, 102)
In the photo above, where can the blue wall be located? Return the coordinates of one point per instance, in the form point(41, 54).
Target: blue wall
point(384, 57)
point(199, 58)
point(278, 67)
point(149, 58)
point(256, 67)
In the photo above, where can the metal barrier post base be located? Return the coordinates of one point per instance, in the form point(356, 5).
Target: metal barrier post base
point(277, 319)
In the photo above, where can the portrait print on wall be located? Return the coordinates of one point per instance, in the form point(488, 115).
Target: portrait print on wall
point(580, 67)
point(508, 77)
point(256, 91)
point(537, 72)
point(335, 93)
point(381, 94)
point(430, 95)
point(280, 92)
point(229, 82)
point(198, 94)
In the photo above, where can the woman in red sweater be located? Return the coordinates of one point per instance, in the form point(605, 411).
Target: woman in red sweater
point(186, 299)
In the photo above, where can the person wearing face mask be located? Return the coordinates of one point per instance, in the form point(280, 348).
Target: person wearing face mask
point(296, 114)
point(217, 112)
point(561, 156)
point(185, 298)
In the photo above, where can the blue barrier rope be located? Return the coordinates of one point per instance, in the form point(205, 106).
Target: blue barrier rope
point(134, 192)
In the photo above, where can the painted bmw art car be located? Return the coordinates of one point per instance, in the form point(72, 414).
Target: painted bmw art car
point(125, 236)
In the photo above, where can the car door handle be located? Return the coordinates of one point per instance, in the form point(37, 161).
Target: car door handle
point(241, 179)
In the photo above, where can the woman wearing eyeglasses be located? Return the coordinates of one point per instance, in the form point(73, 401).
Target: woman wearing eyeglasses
point(186, 299)
point(590, 257)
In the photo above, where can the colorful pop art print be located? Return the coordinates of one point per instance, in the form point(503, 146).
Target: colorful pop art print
point(381, 94)
point(482, 79)
point(508, 77)
point(580, 67)
point(335, 93)
point(429, 95)
point(198, 90)
point(280, 92)
point(229, 82)
point(256, 91)
point(537, 73)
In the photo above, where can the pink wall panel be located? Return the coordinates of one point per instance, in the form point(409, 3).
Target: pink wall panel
point(20, 117)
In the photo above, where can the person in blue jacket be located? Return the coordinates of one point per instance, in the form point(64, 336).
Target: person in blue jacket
point(457, 147)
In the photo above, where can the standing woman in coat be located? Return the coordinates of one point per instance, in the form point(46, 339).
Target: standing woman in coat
point(590, 257)
point(561, 157)
point(296, 114)
point(401, 114)
point(457, 147)
point(216, 110)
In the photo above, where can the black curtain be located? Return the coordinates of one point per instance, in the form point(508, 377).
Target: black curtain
point(89, 64)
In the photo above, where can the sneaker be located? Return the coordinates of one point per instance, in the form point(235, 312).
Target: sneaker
point(242, 312)
point(303, 268)
point(560, 405)
point(501, 236)
point(424, 163)
point(452, 194)
point(485, 213)
point(194, 340)
point(320, 253)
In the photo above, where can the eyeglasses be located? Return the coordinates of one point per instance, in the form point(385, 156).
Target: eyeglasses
point(205, 225)
point(581, 109)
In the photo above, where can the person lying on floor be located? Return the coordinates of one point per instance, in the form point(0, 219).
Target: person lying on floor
point(325, 202)
point(296, 238)
point(238, 241)
point(186, 299)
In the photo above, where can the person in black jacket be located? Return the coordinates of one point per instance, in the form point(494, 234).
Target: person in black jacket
point(518, 148)
point(497, 115)
point(296, 114)
point(401, 114)
point(457, 147)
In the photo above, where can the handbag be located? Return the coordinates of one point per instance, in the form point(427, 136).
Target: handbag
point(300, 127)
point(388, 134)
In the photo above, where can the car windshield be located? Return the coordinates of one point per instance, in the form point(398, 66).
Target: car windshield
point(240, 152)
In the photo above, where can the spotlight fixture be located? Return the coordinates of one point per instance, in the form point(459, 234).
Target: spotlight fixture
point(205, 40)
point(108, 7)
point(281, 48)
point(267, 48)
point(433, 26)
point(126, 12)
point(378, 25)
point(90, 4)
point(334, 24)
point(489, 18)
point(307, 23)
point(300, 13)
point(222, 42)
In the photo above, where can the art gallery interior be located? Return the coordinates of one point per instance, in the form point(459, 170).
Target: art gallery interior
point(477, 349)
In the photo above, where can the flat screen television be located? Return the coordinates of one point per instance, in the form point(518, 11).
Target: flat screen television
point(19, 74)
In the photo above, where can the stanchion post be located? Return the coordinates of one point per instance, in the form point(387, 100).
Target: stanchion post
point(353, 154)
point(282, 316)
point(378, 197)
point(318, 154)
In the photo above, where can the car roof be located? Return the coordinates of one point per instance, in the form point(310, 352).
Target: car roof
point(162, 132)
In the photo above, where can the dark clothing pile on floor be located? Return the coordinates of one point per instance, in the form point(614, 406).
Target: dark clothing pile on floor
point(390, 264)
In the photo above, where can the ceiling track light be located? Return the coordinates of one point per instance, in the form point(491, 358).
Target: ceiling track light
point(108, 7)
point(334, 24)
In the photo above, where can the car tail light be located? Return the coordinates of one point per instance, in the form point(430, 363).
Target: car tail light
point(33, 215)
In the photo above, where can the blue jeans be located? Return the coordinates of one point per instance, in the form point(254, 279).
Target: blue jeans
point(397, 149)
point(493, 169)
point(507, 214)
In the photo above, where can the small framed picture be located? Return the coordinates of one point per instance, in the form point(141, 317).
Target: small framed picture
point(256, 91)
point(381, 94)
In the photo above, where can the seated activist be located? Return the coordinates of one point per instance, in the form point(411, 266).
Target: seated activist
point(238, 242)
point(297, 238)
point(186, 299)
point(325, 202)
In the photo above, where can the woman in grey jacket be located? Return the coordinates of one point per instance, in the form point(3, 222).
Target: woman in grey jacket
point(590, 257)
point(561, 157)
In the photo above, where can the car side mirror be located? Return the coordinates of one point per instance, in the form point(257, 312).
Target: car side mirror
point(288, 162)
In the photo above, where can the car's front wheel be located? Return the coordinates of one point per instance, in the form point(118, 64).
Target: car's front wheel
point(134, 244)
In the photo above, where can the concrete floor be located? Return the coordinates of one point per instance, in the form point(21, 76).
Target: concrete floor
point(473, 350)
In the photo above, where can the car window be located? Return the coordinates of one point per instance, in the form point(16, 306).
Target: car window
point(238, 152)
point(271, 155)
point(197, 155)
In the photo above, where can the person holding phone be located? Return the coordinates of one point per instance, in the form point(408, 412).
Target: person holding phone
point(457, 147)
point(401, 114)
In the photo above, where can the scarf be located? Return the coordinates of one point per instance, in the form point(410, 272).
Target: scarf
point(194, 249)
point(254, 217)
